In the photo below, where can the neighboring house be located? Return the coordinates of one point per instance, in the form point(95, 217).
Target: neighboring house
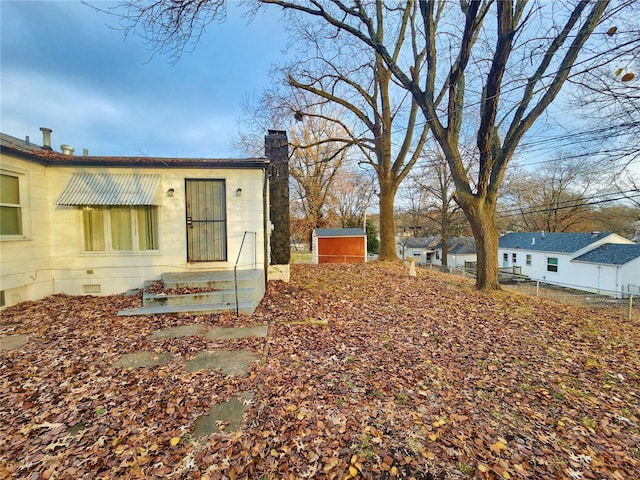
point(559, 258)
point(103, 225)
point(461, 251)
point(420, 249)
point(339, 245)
point(615, 264)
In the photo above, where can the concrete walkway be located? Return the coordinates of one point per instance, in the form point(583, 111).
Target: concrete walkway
point(224, 417)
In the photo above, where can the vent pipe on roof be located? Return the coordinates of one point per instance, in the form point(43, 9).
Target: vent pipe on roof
point(26, 140)
point(46, 137)
point(533, 241)
point(85, 152)
point(67, 150)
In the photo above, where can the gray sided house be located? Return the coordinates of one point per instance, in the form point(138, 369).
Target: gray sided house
point(599, 262)
point(82, 224)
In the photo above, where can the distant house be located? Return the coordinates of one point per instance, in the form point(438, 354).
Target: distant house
point(461, 251)
point(339, 245)
point(420, 249)
point(596, 262)
point(80, 224)
point(615, 264)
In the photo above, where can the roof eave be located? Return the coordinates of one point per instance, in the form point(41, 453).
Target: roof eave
point(58, 159)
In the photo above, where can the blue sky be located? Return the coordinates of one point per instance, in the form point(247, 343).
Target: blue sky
point(63, 67)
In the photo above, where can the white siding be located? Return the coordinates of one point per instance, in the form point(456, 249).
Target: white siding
point(630, 277)
point(26, 261)
point(52, 260)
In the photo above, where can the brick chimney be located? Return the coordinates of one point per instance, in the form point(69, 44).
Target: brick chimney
point(276, 149)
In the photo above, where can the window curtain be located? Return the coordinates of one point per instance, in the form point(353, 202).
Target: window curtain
point(93, 220)
point(147, 228)
point(121, 228)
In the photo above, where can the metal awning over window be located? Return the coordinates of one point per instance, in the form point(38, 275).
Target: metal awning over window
point(111, 189)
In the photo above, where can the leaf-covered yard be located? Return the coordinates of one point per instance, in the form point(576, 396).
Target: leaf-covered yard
point(411, 377)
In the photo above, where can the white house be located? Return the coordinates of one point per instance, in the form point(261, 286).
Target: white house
point(562, 259)
point(103, 225)
point(420, 249)
point(461, 250)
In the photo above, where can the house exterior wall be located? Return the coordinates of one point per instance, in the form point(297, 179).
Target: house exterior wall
point(417, 254)
point(26, 259)
point(51, 258)
point(630, 277)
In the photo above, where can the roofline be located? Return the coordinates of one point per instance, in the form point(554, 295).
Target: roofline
point(538, 251)
point(601, 263)
point(59, 159)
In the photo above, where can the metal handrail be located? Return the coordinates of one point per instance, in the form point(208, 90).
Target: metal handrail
point(235, 267)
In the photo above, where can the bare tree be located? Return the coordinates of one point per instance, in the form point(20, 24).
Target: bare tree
point(554, 198)
point(318, 148)
point(384, 118)
point(350, 197)
point(314, 164)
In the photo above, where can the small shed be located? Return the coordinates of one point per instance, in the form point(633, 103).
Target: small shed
point(339, 245)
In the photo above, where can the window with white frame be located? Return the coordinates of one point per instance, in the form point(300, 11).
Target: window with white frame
point(514, 257)
point(552, 264)
point(120, 229)
point(529, 260)
point(11, 205)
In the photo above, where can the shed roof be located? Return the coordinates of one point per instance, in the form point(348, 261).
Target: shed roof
point(111, 189)
point(611, 254)
point(339, 232)
point(560, 242)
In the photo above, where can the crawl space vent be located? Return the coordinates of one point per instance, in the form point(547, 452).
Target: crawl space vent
point(91, 289)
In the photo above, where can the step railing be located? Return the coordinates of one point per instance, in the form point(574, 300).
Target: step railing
point(235, 267)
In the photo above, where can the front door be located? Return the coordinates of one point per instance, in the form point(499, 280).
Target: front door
point(206, 220)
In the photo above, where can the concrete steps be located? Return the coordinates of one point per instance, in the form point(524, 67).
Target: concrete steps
point(220, 298)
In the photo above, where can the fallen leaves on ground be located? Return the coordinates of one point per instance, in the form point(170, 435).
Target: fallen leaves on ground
point(421, 378)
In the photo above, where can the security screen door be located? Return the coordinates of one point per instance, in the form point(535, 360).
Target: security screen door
point(206, 220)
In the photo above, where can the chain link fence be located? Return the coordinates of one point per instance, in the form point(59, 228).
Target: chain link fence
point(626, 305)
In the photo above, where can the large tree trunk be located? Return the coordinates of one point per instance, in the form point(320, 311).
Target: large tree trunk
point(481, 213)
point(445, 249)
point(387, 227)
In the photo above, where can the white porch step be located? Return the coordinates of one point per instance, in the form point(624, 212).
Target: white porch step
point(221, 298)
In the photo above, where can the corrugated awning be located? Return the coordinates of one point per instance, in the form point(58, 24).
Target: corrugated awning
point(111, 189)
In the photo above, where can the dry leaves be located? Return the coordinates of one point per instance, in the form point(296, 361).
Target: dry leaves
point(411, 377)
